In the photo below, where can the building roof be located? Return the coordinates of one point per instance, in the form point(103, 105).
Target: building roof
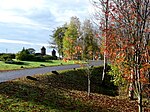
point(43, 48)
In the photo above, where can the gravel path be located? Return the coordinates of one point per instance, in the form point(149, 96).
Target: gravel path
point(9, 75)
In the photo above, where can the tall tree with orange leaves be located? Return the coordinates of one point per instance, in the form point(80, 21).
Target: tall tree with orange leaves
point(128, 34)
point(102, 15)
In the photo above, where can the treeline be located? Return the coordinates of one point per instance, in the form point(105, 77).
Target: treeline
point(25, 55)
point(76, 40)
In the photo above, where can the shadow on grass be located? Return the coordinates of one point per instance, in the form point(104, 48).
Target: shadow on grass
point(42, 99)
point(77, 80)
point(16, 63)
point(50, 61)
point(51, 92)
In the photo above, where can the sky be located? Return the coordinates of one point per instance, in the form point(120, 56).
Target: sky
point(29, 23)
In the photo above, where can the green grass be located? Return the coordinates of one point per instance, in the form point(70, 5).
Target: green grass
point(52, 93)
point(66, 92)
point(31, 64)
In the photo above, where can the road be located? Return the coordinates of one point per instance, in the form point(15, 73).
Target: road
point(9, 75)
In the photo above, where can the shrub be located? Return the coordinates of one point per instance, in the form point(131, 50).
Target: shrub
point(38, 58)
point(48, 57)
point(23, 56)
point(6, 57)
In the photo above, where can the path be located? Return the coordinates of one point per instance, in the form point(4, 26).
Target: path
point(9, 75)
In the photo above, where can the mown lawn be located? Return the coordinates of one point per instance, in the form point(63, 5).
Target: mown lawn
point(62, 93)
point(31, 64)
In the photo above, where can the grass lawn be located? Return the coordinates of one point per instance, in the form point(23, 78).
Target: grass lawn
point(31, 64)
point(62, 93)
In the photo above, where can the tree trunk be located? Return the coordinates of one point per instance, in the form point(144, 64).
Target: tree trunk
point(104, 69)
point(140, 102)
point(89, 85)
point(105, 54)
point(131, 92)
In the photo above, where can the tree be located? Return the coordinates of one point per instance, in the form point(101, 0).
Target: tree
point(70, 38)
point(102, 14)
point(89, 41)
point(31, 50)
point(24, 55)
point(128, 34)
point(58, 35)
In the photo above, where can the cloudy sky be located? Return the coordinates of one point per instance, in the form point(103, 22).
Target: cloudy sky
point(28, 23)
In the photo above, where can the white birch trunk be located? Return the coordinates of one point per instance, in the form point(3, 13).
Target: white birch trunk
point(89, 85)
point(105, 59)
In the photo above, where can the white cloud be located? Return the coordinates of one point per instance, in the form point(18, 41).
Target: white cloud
point(11, 17)
point(21, 42)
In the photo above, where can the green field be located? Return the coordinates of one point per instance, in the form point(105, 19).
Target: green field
point(31, 64)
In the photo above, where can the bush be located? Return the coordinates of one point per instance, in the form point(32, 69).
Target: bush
point(29, 57)
point(12, 56)
point(48, 57)
point(38, 58)
point(6, 57)
point(23, 56)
